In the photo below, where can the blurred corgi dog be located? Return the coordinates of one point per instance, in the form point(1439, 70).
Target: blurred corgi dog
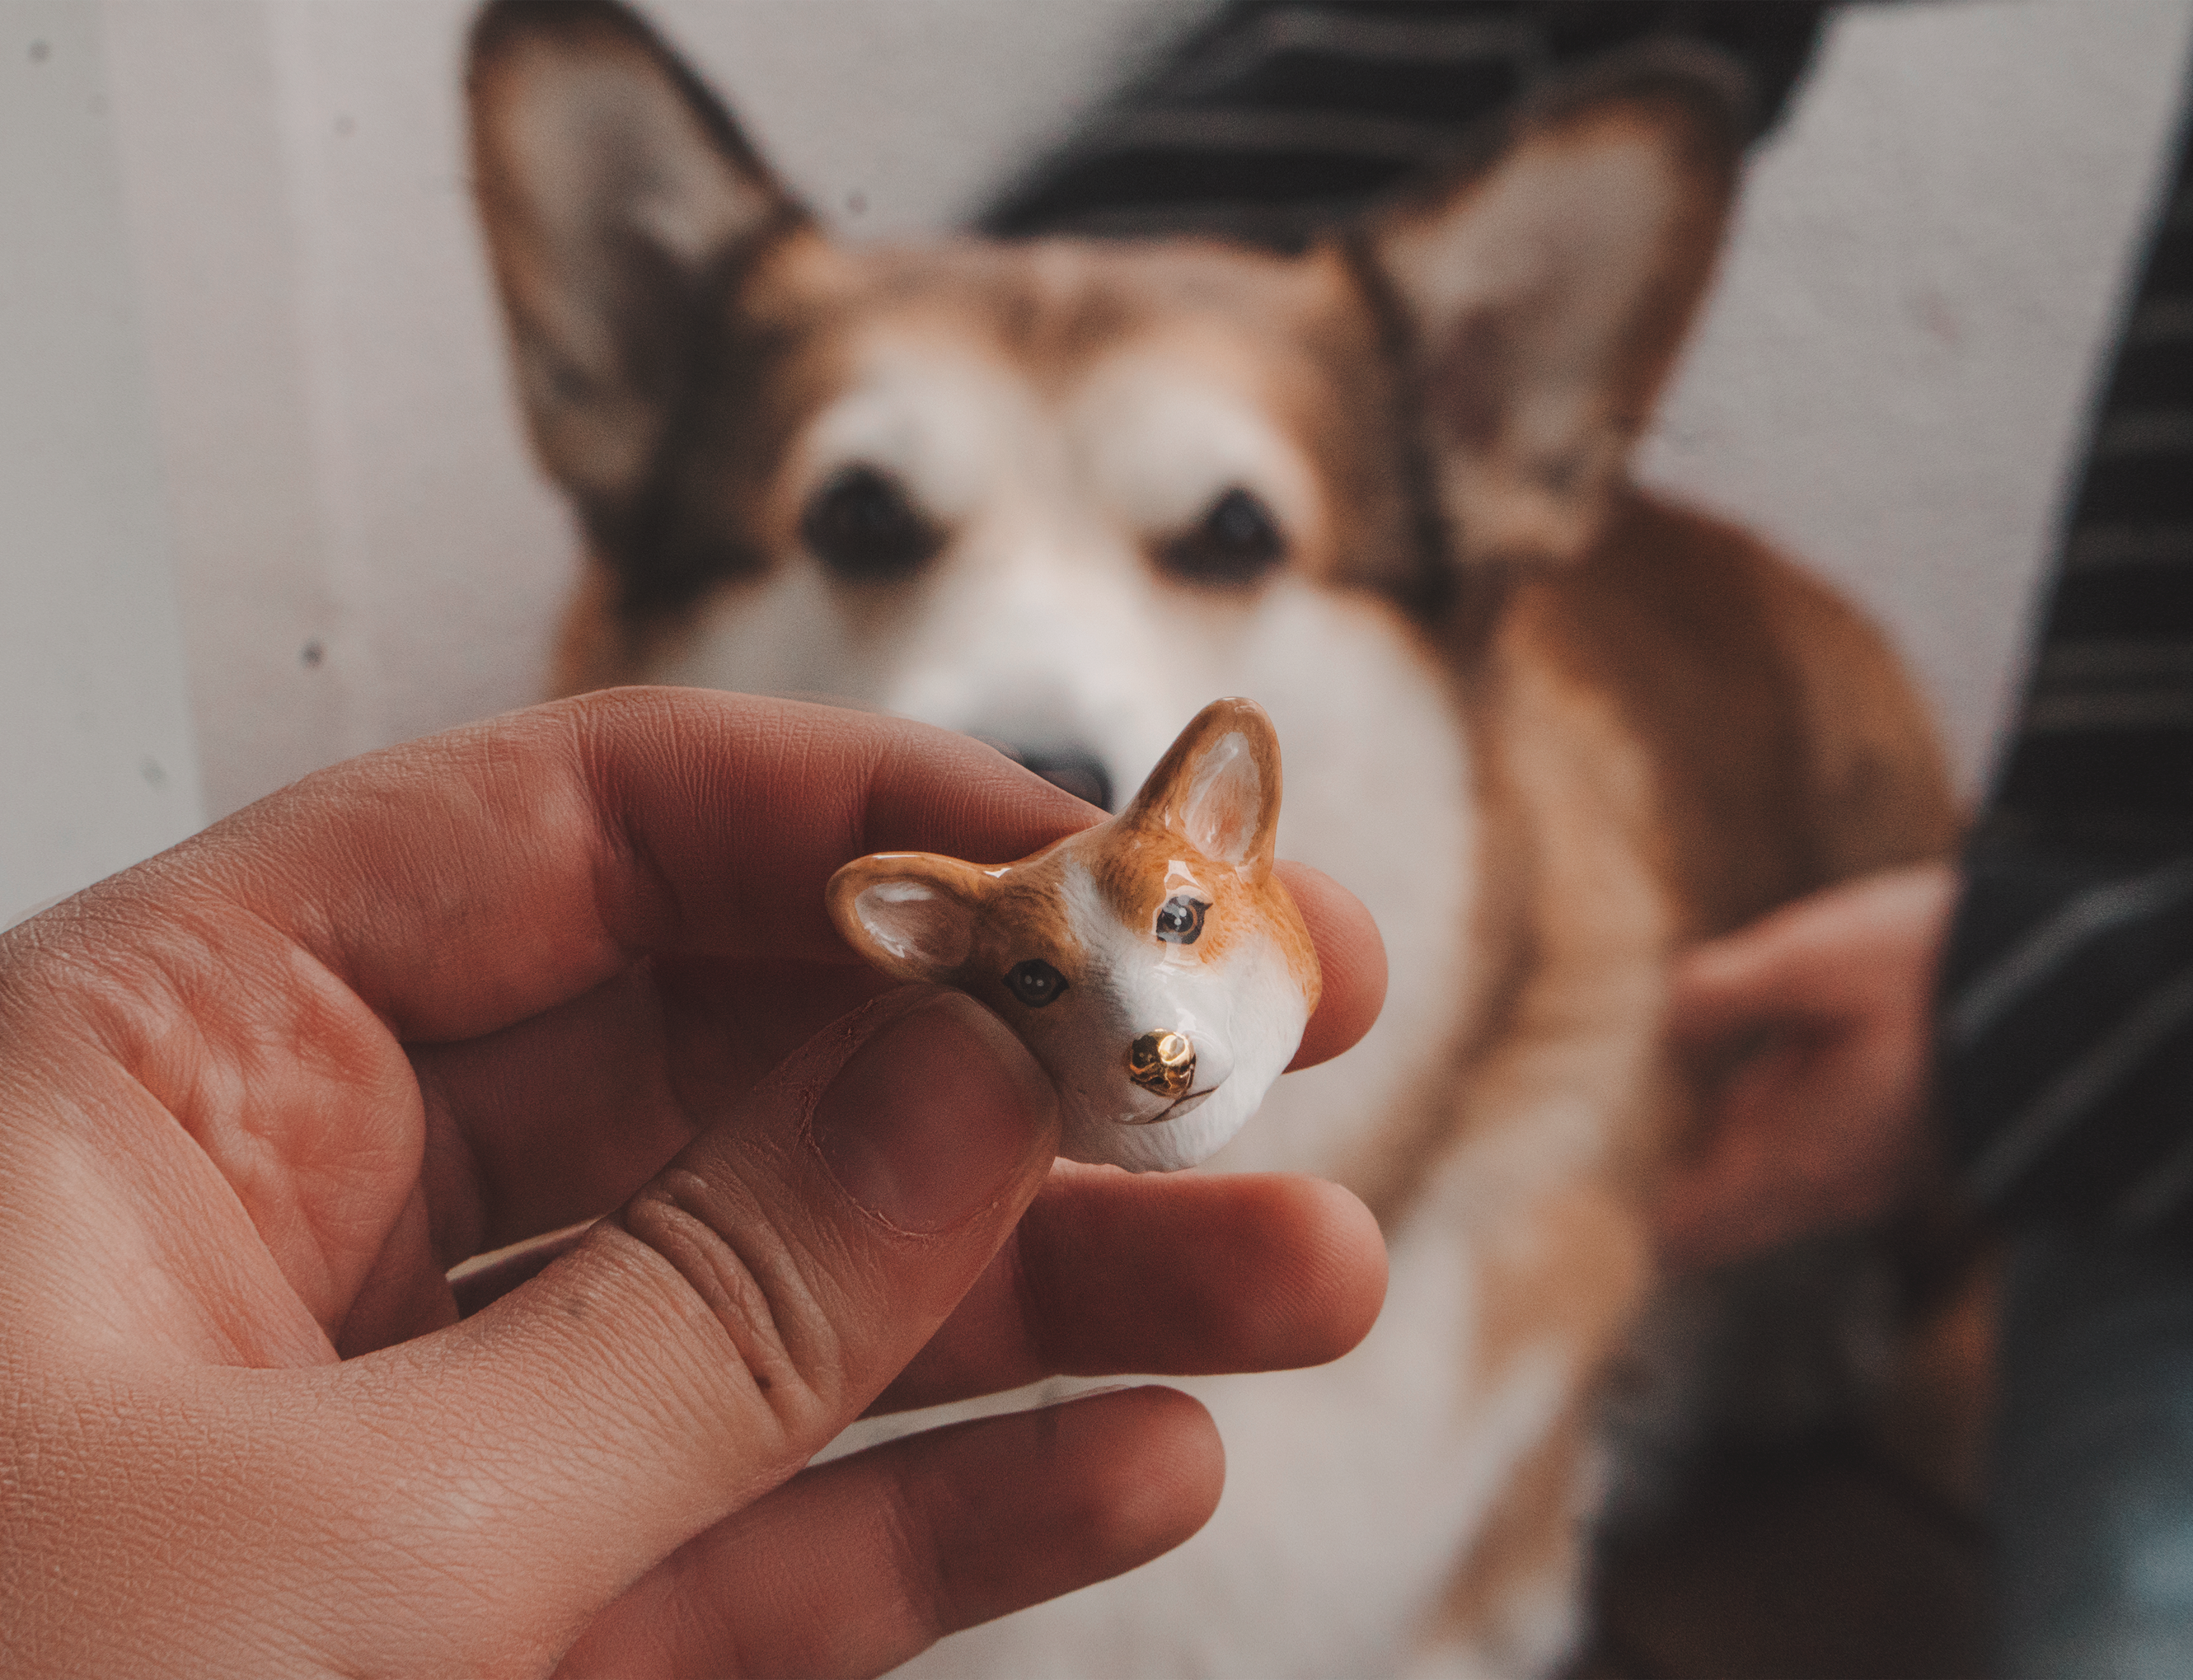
point(1059, 494)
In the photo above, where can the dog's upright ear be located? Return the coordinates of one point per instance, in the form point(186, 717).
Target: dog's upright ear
point(1546, 293)
point(616, 195)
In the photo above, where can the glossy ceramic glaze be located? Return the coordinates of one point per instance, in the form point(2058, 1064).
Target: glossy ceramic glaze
point(1154, 964)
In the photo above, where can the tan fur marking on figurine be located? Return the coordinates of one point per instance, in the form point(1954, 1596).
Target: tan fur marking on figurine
point(1136, 880)
point(1023, 916)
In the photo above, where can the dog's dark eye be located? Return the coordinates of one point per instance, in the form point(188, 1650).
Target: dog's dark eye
point(1035, 982)
point(861, 526)
point(1180, 921)
point(1237, 541)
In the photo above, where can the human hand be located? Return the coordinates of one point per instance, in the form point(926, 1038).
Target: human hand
point(1827, 1005)
point(258, 1094)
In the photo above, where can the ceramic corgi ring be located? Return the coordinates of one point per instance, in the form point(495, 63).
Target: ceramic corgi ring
point(1154, 964)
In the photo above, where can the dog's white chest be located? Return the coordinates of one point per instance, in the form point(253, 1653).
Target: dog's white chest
point(1332, 1537)
point(1380, 796)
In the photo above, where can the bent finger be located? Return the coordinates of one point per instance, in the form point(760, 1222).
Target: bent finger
point(1184, 1276)
point(463, 882)
point(859, 1564)
point(1826, 956)
point(471, 880)
point(694, 1351)
point(1105, 1274)
point(560, 1117)
point(1756, 979)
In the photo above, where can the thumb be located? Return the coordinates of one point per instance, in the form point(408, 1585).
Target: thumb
point(1817, 961)
point(701, 1347)
point(1779, 971)
point(1729, 987)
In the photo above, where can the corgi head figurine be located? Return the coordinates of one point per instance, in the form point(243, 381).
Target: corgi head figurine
point(1154, 964)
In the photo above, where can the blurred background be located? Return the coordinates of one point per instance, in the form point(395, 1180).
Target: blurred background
point(269, 504)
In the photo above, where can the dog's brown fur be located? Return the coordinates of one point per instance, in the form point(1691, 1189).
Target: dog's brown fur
point(1671, 728)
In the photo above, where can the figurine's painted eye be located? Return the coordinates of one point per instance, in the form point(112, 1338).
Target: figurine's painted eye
point(1237, 542)
point(862, 526)
point(1035, 982)
point(1180, 921)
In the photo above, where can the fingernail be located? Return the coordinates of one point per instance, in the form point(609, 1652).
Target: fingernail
point(936, 1115)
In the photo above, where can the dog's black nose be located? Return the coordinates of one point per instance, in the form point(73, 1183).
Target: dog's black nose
point(1080, 773)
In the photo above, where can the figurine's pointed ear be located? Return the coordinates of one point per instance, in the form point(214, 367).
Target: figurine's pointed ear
point(911, 914)
point(616, 193)
point(1218, 786)
point(1547, 293)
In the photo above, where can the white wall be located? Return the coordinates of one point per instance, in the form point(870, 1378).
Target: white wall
point(365, 551)
point(97, 766)
point(1920, 296)
point(1891, 378)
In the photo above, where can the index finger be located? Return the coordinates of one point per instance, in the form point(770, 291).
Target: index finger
point(463, 882)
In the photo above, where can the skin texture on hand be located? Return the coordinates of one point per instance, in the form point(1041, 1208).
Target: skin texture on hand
point(258, 1094)
point(1822, 1014)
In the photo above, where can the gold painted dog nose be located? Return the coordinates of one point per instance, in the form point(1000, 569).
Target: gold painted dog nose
point(1162, 1062)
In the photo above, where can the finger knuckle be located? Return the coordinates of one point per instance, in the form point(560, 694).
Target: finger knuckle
point(733, 1275)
